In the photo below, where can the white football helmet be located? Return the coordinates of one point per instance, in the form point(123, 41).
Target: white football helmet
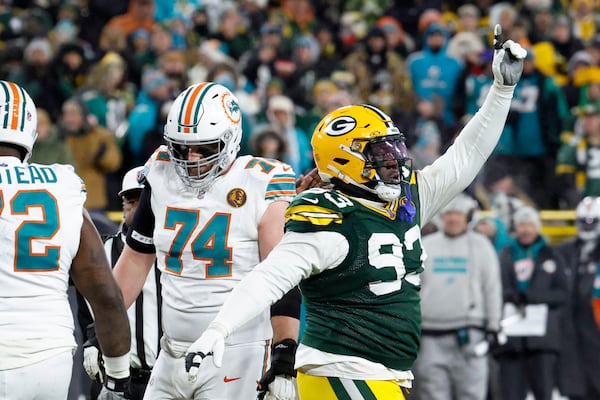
point(203, 114)
point(587, 218)
point(18, 117)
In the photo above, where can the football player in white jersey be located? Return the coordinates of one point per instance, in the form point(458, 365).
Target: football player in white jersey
point(47, 237)
point(144, 315)
point(355, 249)
point(209, 217)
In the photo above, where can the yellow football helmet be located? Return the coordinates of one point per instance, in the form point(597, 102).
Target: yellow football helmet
point(361, 146)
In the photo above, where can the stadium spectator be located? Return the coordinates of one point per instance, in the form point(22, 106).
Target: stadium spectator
point(281, 117)
point(435, 74)
point(140, 15)
point(580, 156)
point(581, 255)
point(94, 149)
point(145, 116)
point(373, 64)
point(532, 275)
point(50, 146)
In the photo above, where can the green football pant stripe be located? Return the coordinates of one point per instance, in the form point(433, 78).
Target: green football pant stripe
point(360, 387)
point(338, 389)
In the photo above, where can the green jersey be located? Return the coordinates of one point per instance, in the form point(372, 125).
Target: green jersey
point(368, 306)
point(581, 157)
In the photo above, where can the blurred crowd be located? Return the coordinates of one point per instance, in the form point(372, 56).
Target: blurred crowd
point(104, 73)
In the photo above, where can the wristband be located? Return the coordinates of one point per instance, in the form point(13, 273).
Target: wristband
point(117, 367)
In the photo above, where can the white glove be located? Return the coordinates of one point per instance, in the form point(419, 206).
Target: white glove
point(507, 65)
point(91, 364)
point(282, 388)
point(211, 342)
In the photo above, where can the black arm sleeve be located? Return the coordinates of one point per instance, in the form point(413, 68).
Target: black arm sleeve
point(139, 236)
point(288, 305)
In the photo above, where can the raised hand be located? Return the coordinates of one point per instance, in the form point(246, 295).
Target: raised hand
point(508, 59)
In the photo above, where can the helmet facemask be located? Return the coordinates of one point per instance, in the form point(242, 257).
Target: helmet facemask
point(215, 156)
point(588, 228)
point(587, 218)
point(388, 165)
point(203, 134)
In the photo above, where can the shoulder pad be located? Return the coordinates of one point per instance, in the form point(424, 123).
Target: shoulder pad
point(319, 207)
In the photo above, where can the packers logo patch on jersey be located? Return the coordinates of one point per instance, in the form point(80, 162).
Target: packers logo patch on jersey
point(236, 197)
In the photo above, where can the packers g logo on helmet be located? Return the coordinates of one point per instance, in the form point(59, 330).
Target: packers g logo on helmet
point(340, 126)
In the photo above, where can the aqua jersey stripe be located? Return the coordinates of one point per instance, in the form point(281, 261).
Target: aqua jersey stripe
point(186, 99)
point(278, 186)
point(7, 96)
point(200, 102)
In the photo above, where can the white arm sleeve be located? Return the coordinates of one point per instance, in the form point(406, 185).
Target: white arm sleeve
point(455, 170)
point(296, 257)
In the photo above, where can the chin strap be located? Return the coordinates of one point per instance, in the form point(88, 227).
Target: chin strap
point(386, 192)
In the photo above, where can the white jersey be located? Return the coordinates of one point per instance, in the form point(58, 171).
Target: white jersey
point(40, 225)
point(205, 246)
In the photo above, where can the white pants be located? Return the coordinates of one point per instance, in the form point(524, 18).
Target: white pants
point(44, 380)
point(243, 366)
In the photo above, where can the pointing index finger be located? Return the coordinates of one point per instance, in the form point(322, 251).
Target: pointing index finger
point(497, 36)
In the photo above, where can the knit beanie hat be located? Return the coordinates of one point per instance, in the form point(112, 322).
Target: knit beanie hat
point(528, 214)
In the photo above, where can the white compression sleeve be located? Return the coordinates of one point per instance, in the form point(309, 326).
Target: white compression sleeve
point(296, 257)
point(455, 170)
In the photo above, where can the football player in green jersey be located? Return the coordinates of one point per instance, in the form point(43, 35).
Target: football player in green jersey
point(355, 248)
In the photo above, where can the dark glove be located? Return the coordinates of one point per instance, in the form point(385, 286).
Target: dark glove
point(507, 64)
point(518, 298)
point(115, 389)
point(283, 356)
point(521, 298)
